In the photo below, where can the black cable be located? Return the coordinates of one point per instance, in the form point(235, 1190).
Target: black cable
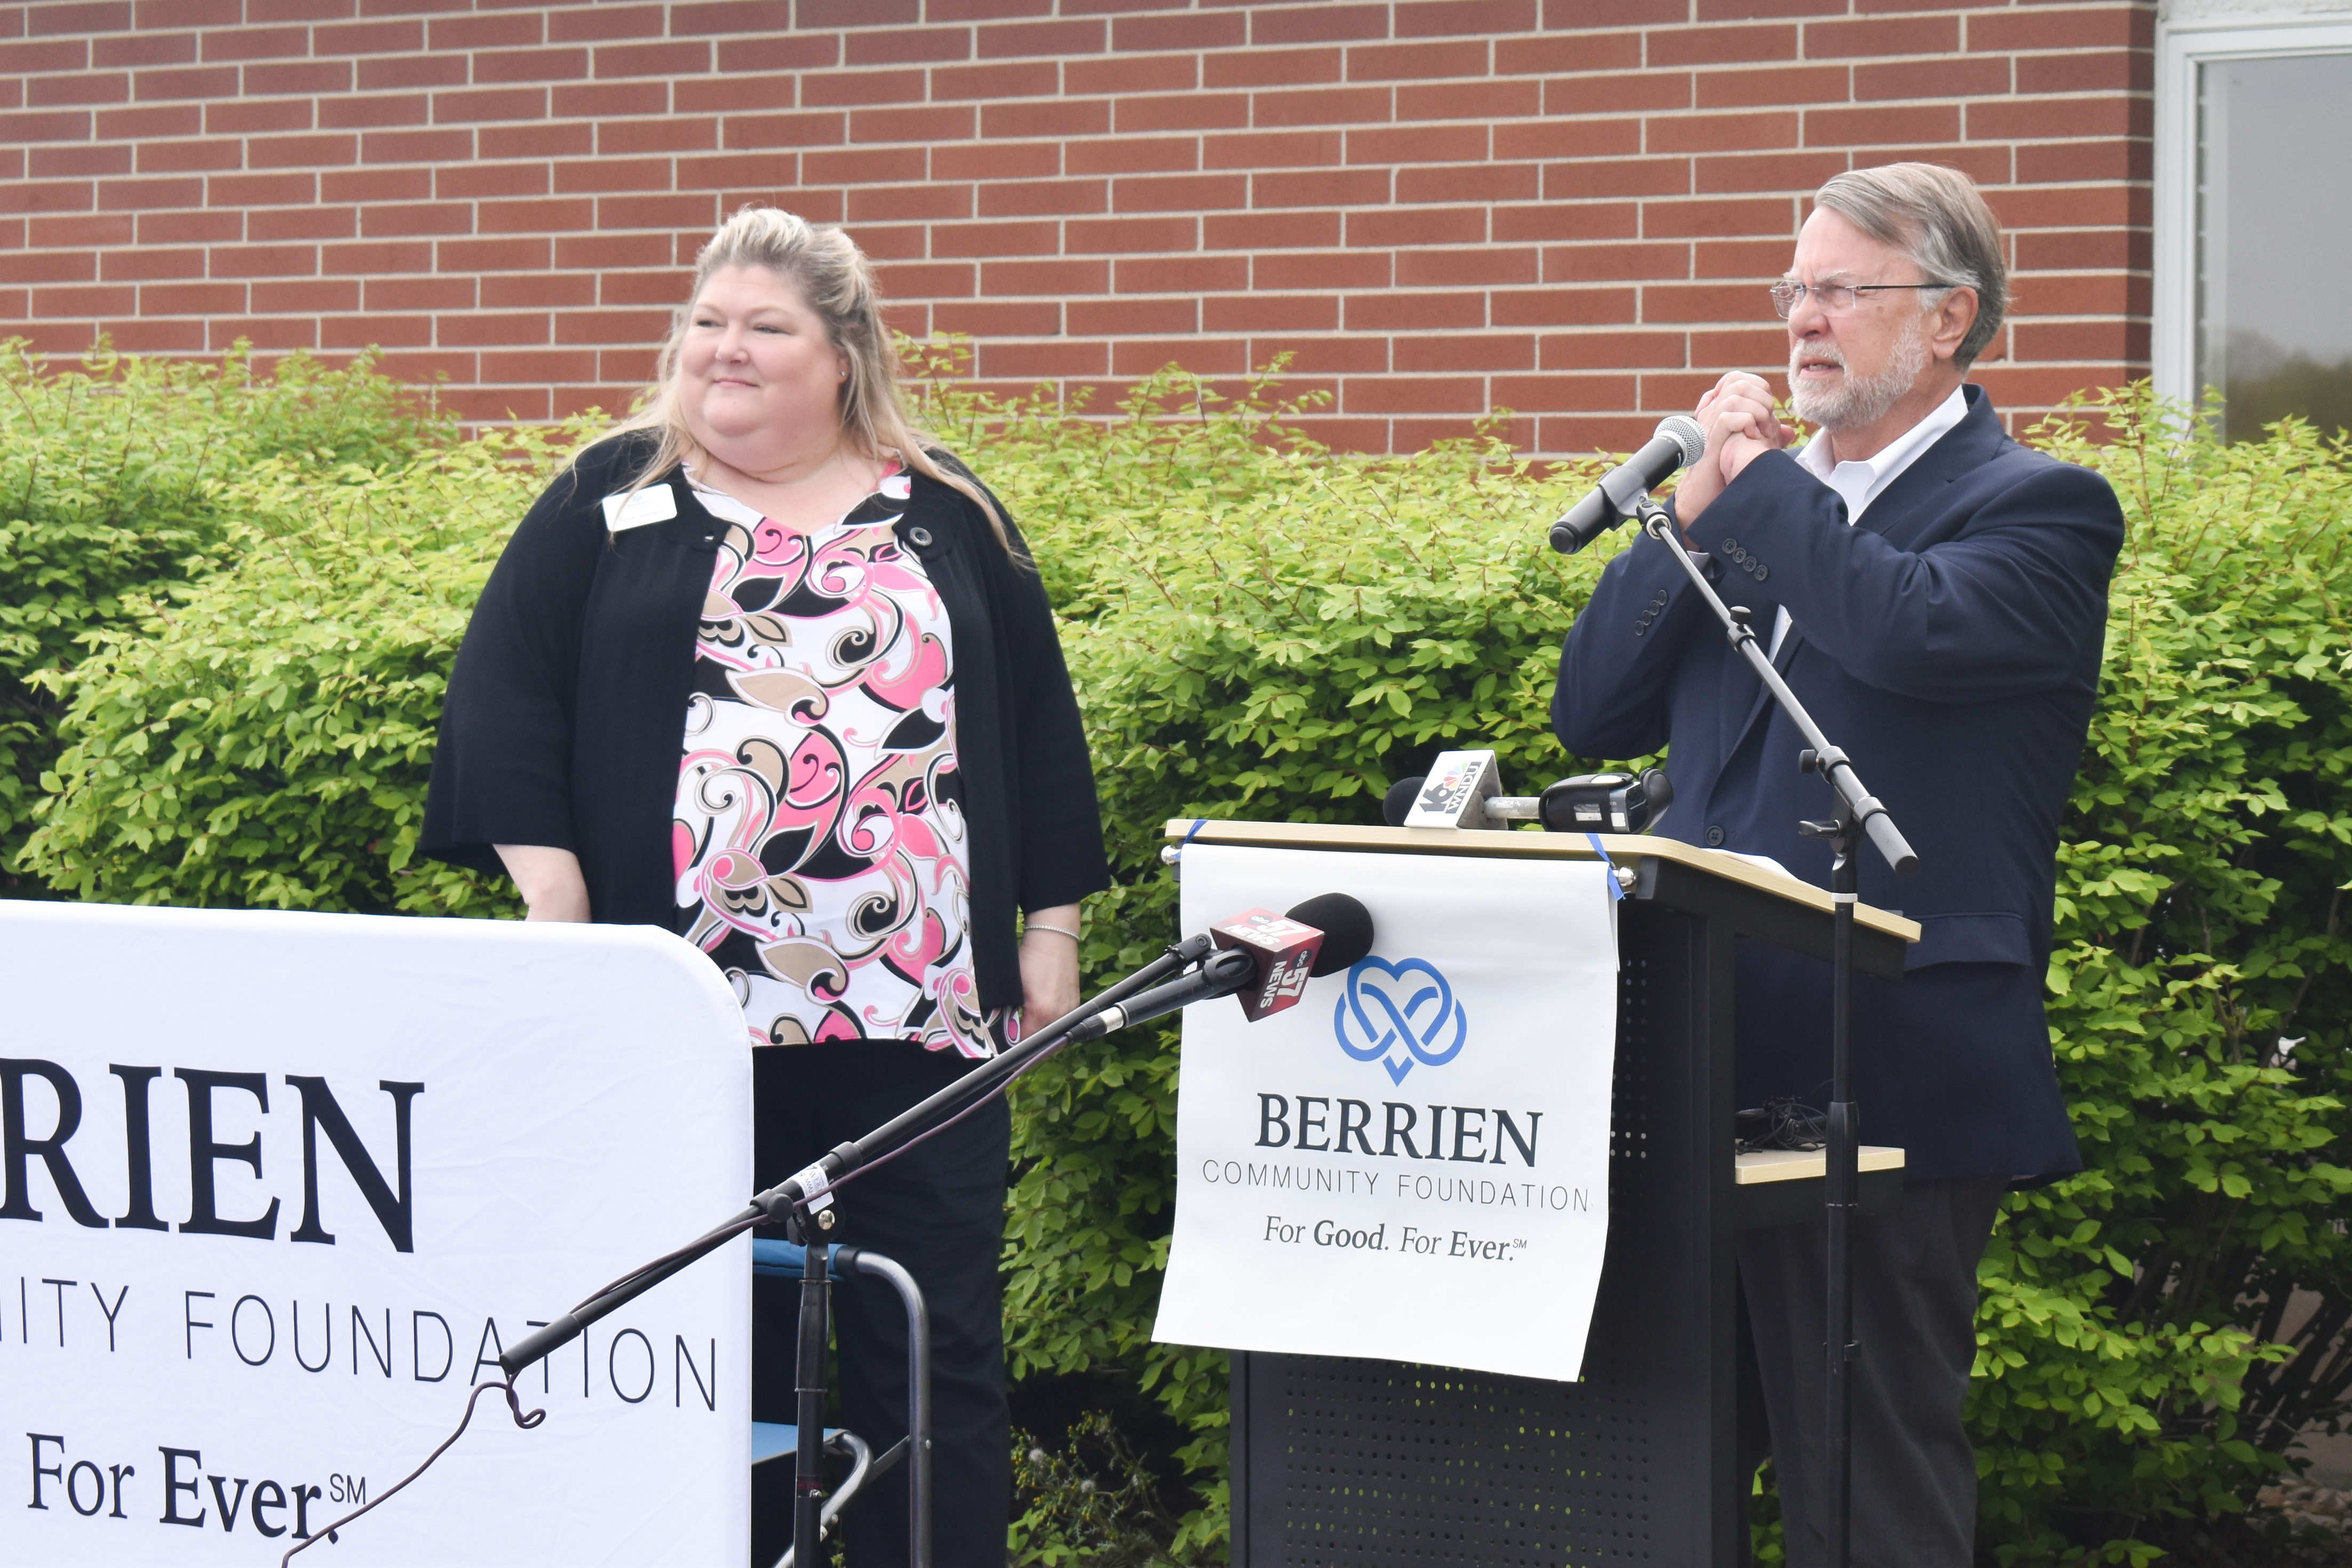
point(995, 1090)
point(1782, 1121)
point(734, 1228)
point(521, 1420)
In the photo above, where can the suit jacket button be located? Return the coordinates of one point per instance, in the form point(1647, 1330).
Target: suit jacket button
point(1714, 838)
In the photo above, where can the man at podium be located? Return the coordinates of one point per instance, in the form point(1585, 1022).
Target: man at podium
point(1936, 594)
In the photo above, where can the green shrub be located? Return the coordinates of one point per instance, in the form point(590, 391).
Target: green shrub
point(1091, 1500)
point(109, 476)
point(260, 737)
point(2132, 1371)
point(1260, 628)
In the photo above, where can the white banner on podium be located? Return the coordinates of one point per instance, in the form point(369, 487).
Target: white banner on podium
point(1413, 1163)
point(275, 1189)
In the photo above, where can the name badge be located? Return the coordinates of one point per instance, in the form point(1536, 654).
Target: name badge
point(653, 503)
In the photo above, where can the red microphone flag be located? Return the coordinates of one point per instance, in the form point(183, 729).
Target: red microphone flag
point(1286, 951)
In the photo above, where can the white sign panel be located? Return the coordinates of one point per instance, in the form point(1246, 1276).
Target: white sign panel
point(1413, 1163)
point(277, 1188)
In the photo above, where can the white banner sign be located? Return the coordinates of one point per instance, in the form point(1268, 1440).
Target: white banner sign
point(1413, 1163)
point(278, 1188)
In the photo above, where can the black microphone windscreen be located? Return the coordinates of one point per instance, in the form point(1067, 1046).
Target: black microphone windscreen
point(1397, 801)
point(1346, 928)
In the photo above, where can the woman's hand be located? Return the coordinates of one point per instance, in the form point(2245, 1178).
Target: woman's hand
point(1049, 966)
point(548, 880)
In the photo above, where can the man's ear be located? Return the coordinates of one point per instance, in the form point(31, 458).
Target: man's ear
point(1953, 318)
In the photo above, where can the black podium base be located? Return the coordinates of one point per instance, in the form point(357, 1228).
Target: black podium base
point(1390, 1465)
point(1373, 1464)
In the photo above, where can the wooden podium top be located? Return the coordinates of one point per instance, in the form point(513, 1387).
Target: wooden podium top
point(1806, 1164)
point(1625, 849)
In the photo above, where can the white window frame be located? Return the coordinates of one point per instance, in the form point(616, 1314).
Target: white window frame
point(2216, 32)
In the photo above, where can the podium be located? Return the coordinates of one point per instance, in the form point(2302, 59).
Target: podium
point(1350, 1463)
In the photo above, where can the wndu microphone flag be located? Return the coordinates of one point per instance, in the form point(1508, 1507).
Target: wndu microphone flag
point(1410, 1159)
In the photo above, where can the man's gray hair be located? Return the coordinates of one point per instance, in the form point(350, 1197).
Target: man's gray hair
point(1936, 216)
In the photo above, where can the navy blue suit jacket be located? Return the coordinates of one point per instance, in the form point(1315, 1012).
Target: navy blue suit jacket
point(1950, 642)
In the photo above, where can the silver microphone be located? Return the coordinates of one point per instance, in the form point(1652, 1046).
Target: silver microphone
point(1678, 444)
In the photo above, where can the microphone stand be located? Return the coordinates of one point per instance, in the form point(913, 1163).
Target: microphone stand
point(808, 1414)
point(802, 1204)
point(1856, 808)
point(814, 1183)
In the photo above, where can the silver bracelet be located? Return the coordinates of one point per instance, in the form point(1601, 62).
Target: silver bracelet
point(1057, 930)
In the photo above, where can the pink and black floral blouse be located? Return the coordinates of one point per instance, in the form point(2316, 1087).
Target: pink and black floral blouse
point(819, 835)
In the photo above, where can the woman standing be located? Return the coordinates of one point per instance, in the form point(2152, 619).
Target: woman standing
point(763, 668)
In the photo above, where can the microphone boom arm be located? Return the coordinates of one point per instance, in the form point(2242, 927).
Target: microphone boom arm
point(980, 1080)
point(1867, 810)
point(843, 1158)
point(1220, 974)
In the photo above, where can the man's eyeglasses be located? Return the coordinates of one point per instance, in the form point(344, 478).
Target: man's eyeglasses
point(1834, 298)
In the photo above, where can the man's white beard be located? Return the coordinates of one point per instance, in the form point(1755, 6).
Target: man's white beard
point(1857, 401)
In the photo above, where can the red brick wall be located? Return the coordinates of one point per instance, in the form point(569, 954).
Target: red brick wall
point(1567, 207)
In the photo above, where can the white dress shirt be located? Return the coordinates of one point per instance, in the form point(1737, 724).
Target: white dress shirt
point(1860, 483)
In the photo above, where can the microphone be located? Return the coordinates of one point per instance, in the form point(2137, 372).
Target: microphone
point(1678, 444)
point(1607, 802)
point(1346, 928)
point(1399, 800)
point(1454, 793)
point(1590, 802)
point(1268, 957)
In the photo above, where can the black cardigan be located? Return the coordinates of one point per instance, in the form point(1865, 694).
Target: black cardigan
point(566, 712)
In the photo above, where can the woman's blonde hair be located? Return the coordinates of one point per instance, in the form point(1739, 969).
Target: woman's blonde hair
point(834, 279)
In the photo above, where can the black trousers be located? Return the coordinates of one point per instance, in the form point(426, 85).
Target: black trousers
point(1915, 1302)
point(939, 1210)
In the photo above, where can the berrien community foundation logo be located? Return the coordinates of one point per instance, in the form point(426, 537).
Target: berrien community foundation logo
point(1400, 1014)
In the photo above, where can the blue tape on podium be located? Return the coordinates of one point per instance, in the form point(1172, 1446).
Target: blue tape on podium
point(1615, 891)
